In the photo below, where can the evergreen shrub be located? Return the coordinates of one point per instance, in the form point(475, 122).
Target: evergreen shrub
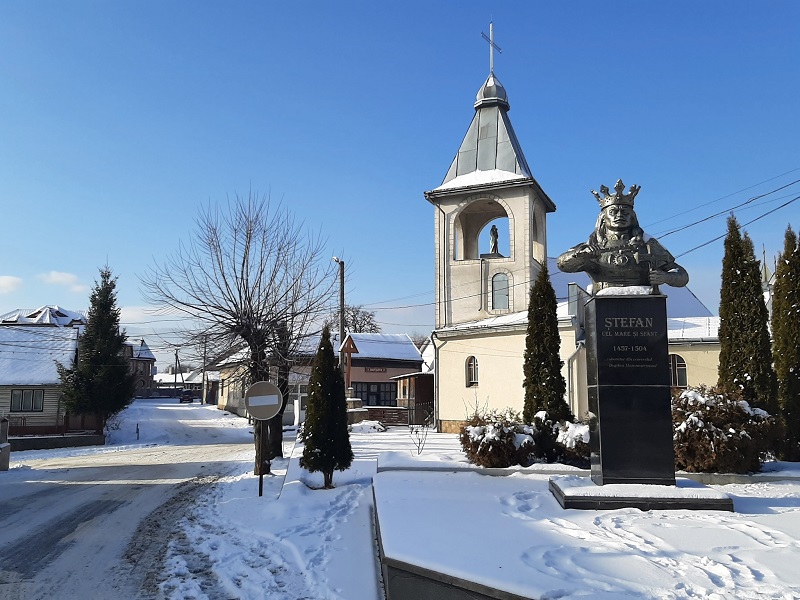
point(500, 439)
point(717, 432)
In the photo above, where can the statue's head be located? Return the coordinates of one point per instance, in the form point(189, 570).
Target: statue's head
point(616, 211)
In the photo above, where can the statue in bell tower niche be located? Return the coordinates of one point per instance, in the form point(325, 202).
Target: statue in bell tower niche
point(618, 253)
point(493, 240)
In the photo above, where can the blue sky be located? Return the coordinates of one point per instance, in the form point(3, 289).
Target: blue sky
point(120, 119)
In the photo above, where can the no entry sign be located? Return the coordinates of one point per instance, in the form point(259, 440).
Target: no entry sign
point(263, 400)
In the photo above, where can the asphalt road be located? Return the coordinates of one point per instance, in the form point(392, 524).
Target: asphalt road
point(97, 525)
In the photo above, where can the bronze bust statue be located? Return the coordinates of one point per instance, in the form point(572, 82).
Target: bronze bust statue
point(618, 253)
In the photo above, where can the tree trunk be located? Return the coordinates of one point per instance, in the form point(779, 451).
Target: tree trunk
point(328, 475)
point(276, 423)
point(261, 436)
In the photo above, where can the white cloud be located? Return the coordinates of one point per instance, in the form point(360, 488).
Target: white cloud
point(9, 283)
point(68, 280)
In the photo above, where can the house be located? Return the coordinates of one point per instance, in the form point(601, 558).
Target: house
point(373, 360)
point(231, 380)
point(30, 388)
point(142, 364)
point(490, 198)
point(39, 327)
point(49, 315)
point(415, 390)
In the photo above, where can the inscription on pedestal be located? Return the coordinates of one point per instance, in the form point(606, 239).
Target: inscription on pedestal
point(628, 377)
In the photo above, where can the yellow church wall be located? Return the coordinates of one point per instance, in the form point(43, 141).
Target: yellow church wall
point(702, 361)
point(500, 359)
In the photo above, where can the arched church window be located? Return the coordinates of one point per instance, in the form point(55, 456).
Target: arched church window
point(677, 371)
point(500, 292)
point(472, 371)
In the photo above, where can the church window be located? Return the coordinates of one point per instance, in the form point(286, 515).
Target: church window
point(500, 292)
point(472, 371)
point(677, 371)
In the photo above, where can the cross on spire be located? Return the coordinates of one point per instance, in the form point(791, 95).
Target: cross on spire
point(492, 46)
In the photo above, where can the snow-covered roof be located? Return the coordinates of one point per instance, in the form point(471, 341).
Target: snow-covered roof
point(28, 355)
point(428, 352)
point(509, 320)
point(481, 178)
point(141, 350)
point(388, 346)
point(49, 314)
point(693, 329)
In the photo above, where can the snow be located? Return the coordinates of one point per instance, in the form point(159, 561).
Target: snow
point(481, 178)
point(626, 290)
point(437, 511)
point(29, 354)
point(391, 346)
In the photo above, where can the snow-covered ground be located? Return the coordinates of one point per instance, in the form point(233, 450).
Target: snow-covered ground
point(300, 542)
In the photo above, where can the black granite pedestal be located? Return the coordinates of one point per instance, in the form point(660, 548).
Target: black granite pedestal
point(629, 391)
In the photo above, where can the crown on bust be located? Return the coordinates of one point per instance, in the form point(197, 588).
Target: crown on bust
point(618, 197)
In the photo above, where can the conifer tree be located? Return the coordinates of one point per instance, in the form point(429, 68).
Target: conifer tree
point(786, 341)
point(100, 382)
point(745, 358)
point(543, 382)
point(325, 435)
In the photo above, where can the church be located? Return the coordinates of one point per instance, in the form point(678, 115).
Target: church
point(482, 292)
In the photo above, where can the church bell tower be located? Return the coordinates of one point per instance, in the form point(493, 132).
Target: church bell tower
point(488, 188)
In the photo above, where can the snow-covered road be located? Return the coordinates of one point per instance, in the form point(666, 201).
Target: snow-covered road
point(84, 523)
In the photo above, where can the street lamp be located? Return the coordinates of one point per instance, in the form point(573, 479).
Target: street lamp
point(336, 259)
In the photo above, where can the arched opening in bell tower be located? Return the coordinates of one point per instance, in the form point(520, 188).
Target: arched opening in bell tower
point(473, 236)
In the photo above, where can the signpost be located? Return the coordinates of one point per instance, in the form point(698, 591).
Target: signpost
point(263, 401)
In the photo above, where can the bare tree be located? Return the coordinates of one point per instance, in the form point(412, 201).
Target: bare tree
point(250, 275)
point(356, 320)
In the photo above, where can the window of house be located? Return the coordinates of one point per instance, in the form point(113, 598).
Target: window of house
point(376, 394)
point(27, 400)
point(677, 371)
point(472, 371)
point(500, 292)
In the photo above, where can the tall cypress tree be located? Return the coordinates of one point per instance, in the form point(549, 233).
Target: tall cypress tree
point(745, 359)
point(543, 382)
point(786, 341)
point(325, 435)
point(100, 382)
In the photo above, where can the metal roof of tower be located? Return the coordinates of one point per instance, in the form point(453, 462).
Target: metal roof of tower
point(490, 143)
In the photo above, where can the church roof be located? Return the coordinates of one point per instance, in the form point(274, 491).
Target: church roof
point(490, 144)
point(490, 154)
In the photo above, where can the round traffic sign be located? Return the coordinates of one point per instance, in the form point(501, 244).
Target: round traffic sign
point(263, 400)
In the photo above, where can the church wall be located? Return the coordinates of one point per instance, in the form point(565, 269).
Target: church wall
point(500, 359)
point(499, 375)
point(702, 362)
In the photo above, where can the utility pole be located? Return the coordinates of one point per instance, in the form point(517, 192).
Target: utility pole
point(341, 311)
point(205, 354)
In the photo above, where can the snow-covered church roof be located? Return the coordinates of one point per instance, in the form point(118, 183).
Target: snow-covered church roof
point(490, 153)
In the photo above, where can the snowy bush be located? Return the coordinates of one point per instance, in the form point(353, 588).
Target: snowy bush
point(500, 439)
point(490, 439)
point(715, 432)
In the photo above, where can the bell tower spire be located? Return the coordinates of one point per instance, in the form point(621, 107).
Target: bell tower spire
point(488, 188)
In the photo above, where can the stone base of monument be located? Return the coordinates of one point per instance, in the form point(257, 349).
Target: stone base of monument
point(580, 492)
